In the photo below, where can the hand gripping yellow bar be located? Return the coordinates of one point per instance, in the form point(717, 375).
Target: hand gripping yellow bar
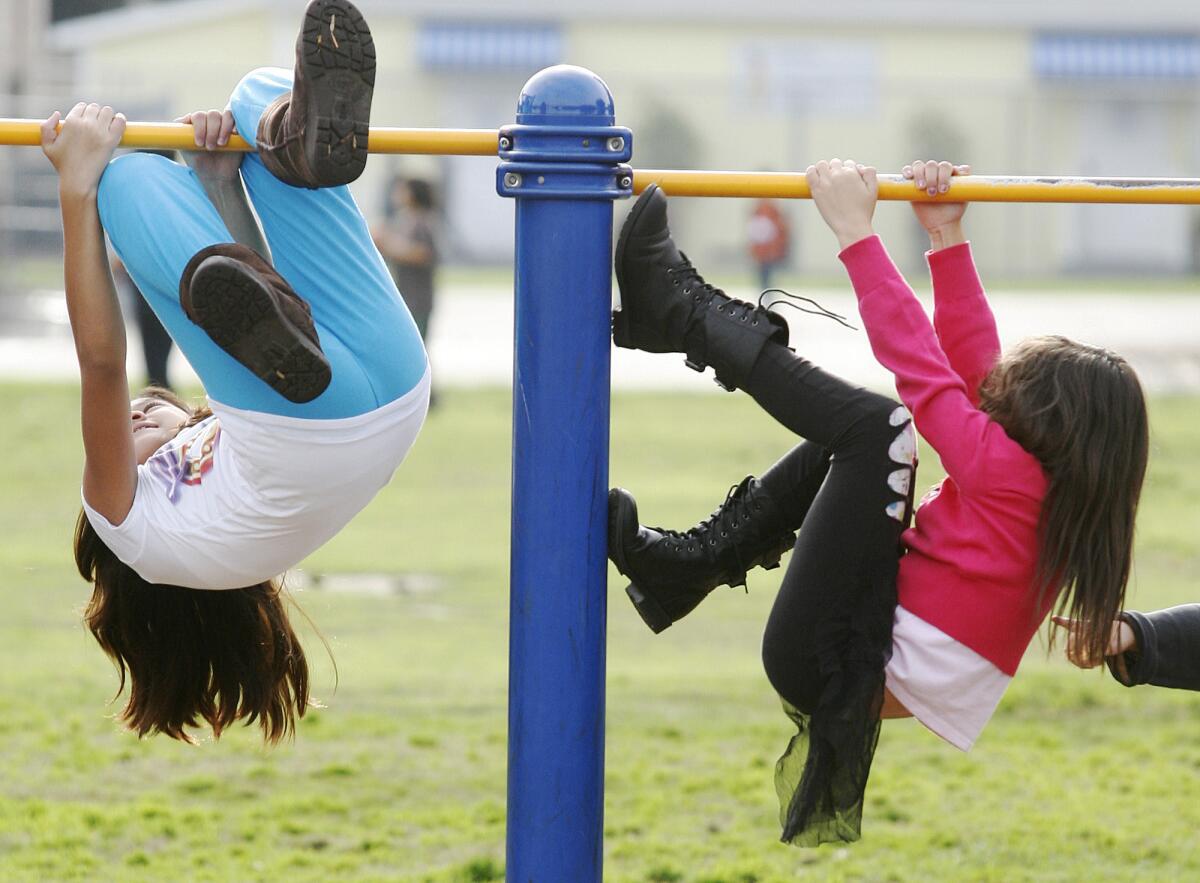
point(969, 188)
point(177, 136)
point(784, 185)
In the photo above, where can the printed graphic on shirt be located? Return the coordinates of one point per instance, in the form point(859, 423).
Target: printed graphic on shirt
point(188, 463)
point(197, 454)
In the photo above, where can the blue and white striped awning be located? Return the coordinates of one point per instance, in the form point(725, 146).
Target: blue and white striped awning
point(1117, 57)
point(488, 46)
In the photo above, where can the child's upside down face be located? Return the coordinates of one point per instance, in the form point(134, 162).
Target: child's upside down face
point(154, 423)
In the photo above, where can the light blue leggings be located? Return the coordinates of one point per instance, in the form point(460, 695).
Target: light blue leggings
point(157, 216)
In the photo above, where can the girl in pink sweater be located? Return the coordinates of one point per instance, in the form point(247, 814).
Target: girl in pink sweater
point(1044, 448)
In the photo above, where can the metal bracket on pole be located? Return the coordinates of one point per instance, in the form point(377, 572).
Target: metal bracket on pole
point(612, 144)
point(543, 180)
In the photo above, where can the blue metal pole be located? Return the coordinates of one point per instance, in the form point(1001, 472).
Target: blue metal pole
point(563, 165)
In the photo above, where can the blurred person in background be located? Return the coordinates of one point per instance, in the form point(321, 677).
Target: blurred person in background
point(407, 239)
point(770, 240)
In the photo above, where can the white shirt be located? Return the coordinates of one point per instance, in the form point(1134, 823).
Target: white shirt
point(946, 685)
point(240, 497)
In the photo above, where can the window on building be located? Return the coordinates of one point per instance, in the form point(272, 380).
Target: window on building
point(488, 46)
point(1137, 57)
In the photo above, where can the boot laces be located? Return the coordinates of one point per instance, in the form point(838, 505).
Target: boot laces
point(286, 140)
point(687, 277)
point(730, 515)
point(787, 298)
point(721, 526)
point(283, 138)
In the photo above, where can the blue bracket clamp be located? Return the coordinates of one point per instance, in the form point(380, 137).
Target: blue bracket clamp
point(533, 143)
point(561, 180)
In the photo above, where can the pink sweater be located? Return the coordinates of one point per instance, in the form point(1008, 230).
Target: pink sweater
point(971, 555)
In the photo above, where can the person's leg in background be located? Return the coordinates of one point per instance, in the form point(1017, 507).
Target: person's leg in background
point(765, 269)
point(156, 342)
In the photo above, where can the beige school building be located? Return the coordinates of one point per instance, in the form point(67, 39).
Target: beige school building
point(1073, 87)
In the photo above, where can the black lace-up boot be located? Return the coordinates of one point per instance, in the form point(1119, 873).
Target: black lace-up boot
point(672, 571)
point(667, 307)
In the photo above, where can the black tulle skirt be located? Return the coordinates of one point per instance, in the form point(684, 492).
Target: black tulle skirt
point(821, 779)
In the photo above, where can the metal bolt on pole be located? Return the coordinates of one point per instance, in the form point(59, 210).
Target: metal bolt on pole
point(561, 168)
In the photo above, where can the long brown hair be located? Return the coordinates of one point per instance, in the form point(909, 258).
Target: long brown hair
point(1080, 411)
point(193, 655)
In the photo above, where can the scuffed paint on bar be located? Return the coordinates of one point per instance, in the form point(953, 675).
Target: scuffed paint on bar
point(972, 188)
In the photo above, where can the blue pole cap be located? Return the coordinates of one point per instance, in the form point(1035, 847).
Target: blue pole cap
point(565, 95)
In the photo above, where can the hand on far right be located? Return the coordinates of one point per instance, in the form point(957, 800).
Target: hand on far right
point(941, 219)
point(1121, 640)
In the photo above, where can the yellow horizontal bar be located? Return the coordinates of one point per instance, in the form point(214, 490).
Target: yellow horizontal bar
point(972, 188)
point(177, 136)
point(785, 185)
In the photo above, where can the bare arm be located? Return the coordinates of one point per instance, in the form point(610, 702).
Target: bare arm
point(218, 175)
point(80, 153)
point(228, 196)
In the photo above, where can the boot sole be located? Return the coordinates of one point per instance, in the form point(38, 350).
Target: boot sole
point(336, 56)
point(622, 333)
point(233, 306)
point(771, 558)
point(650, 611)
point(653, 615)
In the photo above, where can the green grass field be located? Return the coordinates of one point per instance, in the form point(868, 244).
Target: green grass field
point(23, 273)
point(402, 775)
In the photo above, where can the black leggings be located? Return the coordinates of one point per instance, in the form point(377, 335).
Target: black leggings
point(848, 489)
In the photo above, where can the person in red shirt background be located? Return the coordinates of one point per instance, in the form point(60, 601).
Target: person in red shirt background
point(770, 239)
